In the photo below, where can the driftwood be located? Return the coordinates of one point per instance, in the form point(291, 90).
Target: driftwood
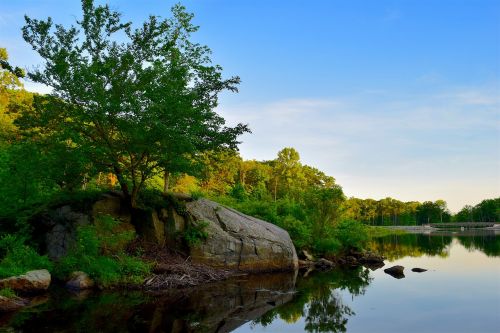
point(173, 270)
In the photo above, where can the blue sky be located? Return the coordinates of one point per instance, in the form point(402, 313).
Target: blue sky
point(392, 98)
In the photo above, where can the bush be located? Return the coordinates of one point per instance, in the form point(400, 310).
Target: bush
point(327, 246)
point(100, 252)
point(299, 232)
point(18, 258)
point(7, 292)
point(351, 234)
point(195, 233)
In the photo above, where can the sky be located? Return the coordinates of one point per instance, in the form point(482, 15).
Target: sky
point(394, 99)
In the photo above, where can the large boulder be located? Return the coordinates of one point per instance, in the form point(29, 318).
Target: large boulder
point(31, 282)
point(238, 241)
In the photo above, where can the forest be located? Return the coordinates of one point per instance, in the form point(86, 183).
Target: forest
point(139, 117)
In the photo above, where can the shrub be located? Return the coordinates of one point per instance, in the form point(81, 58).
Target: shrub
point(299, 232)
point(327, 246)
point(7, 292)
point(351, 234)
point(100, 252)
point(195, 233)
point(18, 258)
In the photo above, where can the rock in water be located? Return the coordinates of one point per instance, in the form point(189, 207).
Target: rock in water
point(395, 271)
point(238, 241)
point(32, 281)
point(418, 270)
point(79, 281)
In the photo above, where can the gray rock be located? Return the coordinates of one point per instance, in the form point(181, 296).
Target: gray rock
point(324, 263)
point(238, 241)
point(32, 281)
point(395, 271)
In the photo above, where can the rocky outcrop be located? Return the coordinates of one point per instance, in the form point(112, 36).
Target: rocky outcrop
point(395, 271)
point(79, 281)
point(238, 241)
point(31, 282)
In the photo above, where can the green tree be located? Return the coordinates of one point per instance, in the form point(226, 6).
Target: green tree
point(131, 100)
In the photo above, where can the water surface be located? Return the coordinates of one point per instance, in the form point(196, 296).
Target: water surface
point(460, 292)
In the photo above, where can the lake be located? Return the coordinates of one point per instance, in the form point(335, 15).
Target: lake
point(459, 292)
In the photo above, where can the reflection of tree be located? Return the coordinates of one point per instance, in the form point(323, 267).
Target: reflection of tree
point(326, 313)
point(488, 243)
point(413, 245)
point(319, 302)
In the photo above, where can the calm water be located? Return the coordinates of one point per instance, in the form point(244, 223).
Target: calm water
point(460, 292)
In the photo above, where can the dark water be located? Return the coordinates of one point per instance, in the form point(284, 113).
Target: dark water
point(460, 292)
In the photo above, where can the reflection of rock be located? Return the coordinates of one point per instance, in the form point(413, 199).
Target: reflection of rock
point(395, 271)
point(79, 281)
point(371, 258)
point(418, 270)
point(221, 307)
point(238, 241)
point(8, 304)
point(374, 265)
point(32, 281)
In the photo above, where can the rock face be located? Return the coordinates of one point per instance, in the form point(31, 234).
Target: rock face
point(31, 282)
point(79, 281)
point(238, 241)
point(395, 271)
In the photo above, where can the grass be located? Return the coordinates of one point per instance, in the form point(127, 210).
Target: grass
point(374, 232)
point(7, 292)
point(18, 258)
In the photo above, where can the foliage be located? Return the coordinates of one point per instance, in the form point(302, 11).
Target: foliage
point(131, 101)
point(195, 233)
point(351, 234)
point(100, 252)
point(18, 258)
point(7, 292)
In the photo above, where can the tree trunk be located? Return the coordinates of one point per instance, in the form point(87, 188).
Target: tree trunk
point(123, 184)
point(166, 180)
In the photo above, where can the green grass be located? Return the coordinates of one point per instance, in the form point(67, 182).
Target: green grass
point(18, 258)
point(374, 232)
point(7, 292)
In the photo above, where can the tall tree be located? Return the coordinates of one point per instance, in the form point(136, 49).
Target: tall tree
point(132, 100)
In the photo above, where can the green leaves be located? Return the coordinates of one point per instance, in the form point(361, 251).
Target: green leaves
point(137, 104)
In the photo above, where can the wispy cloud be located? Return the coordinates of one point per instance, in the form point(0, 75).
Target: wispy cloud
point(365, 140)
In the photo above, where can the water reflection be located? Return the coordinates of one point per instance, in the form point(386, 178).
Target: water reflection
point(436, 243)
point(318, 302)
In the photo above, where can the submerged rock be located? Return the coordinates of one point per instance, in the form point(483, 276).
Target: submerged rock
point(395, 271)
point(239, 241)
point(418, 270)
point(32, 281)
point(79, 281)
